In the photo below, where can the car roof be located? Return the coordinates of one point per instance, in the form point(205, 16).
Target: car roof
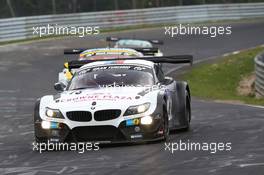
point(136, 62)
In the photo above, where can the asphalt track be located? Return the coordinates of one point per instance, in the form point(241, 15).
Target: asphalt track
point(28, 71)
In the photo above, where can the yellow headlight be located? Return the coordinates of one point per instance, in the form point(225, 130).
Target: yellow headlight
point(147, 120)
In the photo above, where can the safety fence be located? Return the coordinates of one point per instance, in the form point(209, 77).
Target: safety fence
point(22, 27)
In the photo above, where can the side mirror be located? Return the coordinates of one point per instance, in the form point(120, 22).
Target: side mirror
point(59, 86)
point(168, 80)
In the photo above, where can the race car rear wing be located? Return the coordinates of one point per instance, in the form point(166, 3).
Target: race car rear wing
point(147, 51)
point(115, 39)
point(176, 59)
point(144, 51)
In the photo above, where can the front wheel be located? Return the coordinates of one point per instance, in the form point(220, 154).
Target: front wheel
point(187, 113)
point(166, 126)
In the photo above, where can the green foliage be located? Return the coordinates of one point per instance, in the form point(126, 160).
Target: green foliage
point(221, 79)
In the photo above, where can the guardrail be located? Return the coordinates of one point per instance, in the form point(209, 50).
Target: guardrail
point(259, 68)
point(21, 27)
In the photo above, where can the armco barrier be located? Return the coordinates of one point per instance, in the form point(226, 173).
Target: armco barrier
point(21, 28)
point(259, 68)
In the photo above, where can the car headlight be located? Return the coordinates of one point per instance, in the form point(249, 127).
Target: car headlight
point(45, 125)
point(50, 125)
point(53, 113)
point(147, 120)
point(132, 110)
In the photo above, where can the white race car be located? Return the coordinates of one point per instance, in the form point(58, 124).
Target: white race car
point(119, 100)
point(144, 46)
point(94, 54)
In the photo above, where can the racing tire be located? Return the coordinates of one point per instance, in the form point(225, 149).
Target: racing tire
point(187, 113)
point(183, 106)
point(166, 126)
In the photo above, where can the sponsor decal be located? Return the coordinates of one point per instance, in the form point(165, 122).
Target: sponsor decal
point(112, 67)
point(96, 97)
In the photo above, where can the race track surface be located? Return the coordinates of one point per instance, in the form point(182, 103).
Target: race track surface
point(28, 71)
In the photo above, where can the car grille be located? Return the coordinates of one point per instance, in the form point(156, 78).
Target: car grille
point(97, 133)
point(80, 116)
point(104, 115)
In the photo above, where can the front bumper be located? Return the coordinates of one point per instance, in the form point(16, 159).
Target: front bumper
point(102, 133)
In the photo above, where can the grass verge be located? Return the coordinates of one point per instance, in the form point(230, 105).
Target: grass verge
point(219, 80)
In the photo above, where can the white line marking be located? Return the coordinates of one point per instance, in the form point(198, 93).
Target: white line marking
point(62, 170)
point(247, 105)
point(255, 106)
point(226, 54)
point(251, 164)
point(212, 57)
point(8, 91)
point(235, 52)
point(26, 133)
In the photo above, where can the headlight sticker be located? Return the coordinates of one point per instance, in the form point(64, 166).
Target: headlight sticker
point(132, 122)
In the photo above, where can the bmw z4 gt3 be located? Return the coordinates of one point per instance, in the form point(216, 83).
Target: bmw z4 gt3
point(114, 101)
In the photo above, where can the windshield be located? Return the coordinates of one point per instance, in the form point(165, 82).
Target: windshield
point(134, 43)
point(105, 76)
